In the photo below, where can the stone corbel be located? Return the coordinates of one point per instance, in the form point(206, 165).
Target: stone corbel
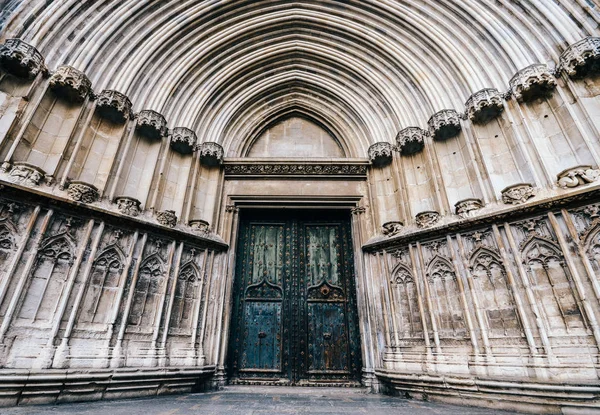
point(83, 192)
point(577, 176)
point(167, 218)
point(199, 225)
point(151, 124)
point(532, 82)
point(128, 205)
point(211, 153)
point(70, 84)
point(411, 140)
point(467, 207)
point(113, 106)
point(518, 193)
point(485, 105)
point(444, 125)
point(381, 154)
point(392, 228)
point(183, 140)
point(21, 59)
point(581, 58)
point(26, 174)
point(427, 219)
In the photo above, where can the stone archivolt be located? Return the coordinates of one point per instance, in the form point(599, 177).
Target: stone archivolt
point(70, 83)
point(113, 105)
point(21, 59)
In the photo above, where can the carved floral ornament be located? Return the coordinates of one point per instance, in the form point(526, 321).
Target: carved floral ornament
point(484, 105)
point(151, 124)
point(26, 174)
point(167, 218)
point(411, 140)
point(83, 192)
point(381, 153)
point(577, 176)
point(467, 207)
point(183, 140)
point(532, 82)
point(518, 193)
point(128, 205)
point(427, 218)
point(444, 125)
point(211, 153)
point(296, 169)
point(581, 58)
point(21, 59)
point(70, 84)
point(113, 106)
point(392, 228)
point(199, 225)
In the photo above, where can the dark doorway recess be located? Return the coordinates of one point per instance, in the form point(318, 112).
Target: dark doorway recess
point(294, 318)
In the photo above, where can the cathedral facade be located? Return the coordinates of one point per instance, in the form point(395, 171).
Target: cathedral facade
point(397, 194)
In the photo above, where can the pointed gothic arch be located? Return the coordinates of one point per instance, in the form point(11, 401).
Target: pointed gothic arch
point(405, 296)
point(186, 297)
point(151, 282)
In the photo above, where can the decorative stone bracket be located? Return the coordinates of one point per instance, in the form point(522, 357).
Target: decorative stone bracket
point(411, 140)
point(392, 228)
point(211, 153)
point(167, 218)
point(518, 193)
point(70, 84)
point(485, 105)
point(26, 174)
point(427, 218)
point(21, 59)
point(444, 125)
point(199, 225)
point(532, 82)
point(577, 176)
point(381, 154)
point(581, 58)
point(151, 124)
point(465, 208)
point(128, 205)
point(113, 106)
point(183, 140)
point(83, 192)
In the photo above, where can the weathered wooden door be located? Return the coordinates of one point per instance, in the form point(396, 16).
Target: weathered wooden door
point(294, 314)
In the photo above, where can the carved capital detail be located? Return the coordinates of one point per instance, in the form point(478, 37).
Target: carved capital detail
point(411, 140)
point(581, 58)
point(358, 210)
point(113, 106)
point(518, 193)
point(465, 208)
point(444, 124)
point(577, 176)
point(151, 124)
point(392, 228)
point(26, 174)
point(381, 153)
point(532, 82)
point(211, 153)
point(183, 140)
point(70, 83)
point(167, 218)
point(485, 105)
point(128, 205)
point(427, 218)
point(21, 59)
point(199, 225)
point(83, 192)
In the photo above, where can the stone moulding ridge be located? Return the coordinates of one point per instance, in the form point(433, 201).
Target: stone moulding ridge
point(295, 169)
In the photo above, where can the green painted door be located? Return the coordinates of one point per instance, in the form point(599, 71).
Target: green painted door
point(294, 316)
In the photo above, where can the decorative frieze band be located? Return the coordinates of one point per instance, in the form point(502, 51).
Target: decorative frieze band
point(316, 169)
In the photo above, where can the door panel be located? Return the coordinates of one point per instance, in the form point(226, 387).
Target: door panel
point(294, 316)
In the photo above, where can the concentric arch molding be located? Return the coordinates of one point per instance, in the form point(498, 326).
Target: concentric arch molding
point(345, 168)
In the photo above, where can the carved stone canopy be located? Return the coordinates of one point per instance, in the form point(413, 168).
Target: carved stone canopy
point(381, 153)
point(183, 140)
point(211, 154)
point(427, 218)
point(167, 218)
point(151, 124)
point(70, 84)
point(83, 192)
point(466, 207)
point(532, 82)
point(199, 225)
point(392, 228)
point(113, 106)
point(444, 124)
point(21, 59)
point(582, 58)
point(577, 176)
point(411, 140)
point(518, 193)
point(485, 105)
point(128, 205)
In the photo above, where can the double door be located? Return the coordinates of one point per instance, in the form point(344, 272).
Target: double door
point(294, 316)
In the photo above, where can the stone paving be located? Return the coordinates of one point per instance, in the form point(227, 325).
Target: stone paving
point(256, 400)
